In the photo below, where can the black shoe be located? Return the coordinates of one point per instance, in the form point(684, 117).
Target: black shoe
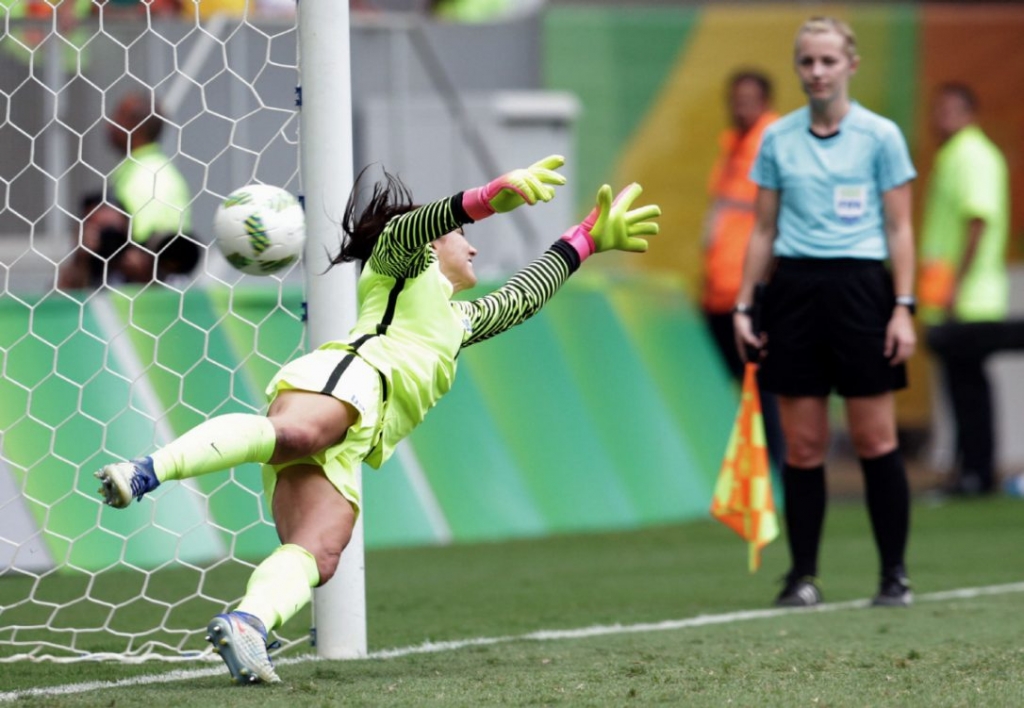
point(800, 591)
point(894, 591)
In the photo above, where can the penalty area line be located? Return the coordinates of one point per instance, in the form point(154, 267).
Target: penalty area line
point(538, 636)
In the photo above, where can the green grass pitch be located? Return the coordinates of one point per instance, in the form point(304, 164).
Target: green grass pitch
point(942, 652)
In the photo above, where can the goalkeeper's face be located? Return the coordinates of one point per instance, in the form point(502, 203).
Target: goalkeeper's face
point(455, 256)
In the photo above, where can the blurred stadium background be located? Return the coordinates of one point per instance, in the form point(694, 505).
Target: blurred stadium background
point(625, 92)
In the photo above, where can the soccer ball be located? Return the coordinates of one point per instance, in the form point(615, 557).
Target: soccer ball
point(260, 229)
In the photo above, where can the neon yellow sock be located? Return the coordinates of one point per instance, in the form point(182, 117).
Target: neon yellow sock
point(218, 444)
point(281, 585)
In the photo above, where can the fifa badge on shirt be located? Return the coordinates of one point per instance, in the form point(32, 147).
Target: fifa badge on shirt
point(850, 202)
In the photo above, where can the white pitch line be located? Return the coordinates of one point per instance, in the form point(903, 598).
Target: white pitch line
point(539, 636)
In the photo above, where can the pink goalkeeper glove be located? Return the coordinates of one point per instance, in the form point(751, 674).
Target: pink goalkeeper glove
point(612, 225)
point(511, 190)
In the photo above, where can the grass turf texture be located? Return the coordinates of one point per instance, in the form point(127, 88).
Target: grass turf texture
point(939, 653)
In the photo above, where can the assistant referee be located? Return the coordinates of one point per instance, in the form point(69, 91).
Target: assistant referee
point(833, 205)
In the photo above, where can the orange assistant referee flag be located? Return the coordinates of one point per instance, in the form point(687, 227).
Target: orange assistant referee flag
point(743, 494)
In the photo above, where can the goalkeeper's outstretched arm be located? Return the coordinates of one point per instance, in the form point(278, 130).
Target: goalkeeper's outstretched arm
point(391, 233)
point(611, 225)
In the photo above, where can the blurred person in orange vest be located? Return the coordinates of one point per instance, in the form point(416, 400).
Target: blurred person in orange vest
point(729, 223)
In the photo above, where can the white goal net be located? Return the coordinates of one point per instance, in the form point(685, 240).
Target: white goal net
point(100, 364)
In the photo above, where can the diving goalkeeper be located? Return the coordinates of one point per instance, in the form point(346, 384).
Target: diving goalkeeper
point(352, 401)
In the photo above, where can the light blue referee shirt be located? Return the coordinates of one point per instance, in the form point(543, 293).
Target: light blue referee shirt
point(831, 188)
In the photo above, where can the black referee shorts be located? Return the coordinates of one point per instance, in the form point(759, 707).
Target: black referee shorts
point(826, 321)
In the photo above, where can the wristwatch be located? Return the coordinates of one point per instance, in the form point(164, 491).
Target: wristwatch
point(907, 301)
point(743, 308)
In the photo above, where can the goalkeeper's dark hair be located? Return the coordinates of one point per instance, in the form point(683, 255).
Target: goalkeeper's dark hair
point(388, 198)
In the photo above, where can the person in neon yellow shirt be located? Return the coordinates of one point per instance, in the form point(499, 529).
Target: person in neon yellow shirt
point(145, 217)
point(964, 279)
point(351, 401)
point(470, 11)
point(146, 184)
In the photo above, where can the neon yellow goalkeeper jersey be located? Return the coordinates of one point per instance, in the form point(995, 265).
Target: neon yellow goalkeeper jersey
point(410, 330)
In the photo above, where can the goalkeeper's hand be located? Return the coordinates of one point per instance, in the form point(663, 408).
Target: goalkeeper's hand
point(613, 225)
point(513, 189)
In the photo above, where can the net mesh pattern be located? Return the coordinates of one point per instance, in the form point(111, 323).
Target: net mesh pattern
point(100, 364)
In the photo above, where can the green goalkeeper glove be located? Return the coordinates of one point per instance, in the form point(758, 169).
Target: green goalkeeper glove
point(613, 225)
point(523, 186)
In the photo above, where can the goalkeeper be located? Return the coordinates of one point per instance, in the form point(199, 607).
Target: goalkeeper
point(352, 401)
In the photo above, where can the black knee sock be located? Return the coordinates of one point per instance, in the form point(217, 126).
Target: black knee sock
point(804, 495)
point(888, 497)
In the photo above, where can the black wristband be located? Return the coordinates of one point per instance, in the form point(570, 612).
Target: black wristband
point(743, 309)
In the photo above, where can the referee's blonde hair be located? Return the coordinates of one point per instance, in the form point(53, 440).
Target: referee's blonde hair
point(823, 25)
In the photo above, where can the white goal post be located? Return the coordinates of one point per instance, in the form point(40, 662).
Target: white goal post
point(111, 370)
point(326, 146)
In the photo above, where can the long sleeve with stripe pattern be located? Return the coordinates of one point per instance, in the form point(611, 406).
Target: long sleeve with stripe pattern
point(522, 296)
point(401, 251)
